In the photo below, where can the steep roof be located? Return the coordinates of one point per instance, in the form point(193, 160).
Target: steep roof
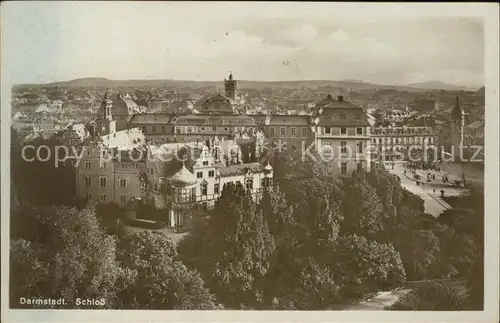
point(240, 169)
point(124, 139)
point(183, 178)
point(339, 113)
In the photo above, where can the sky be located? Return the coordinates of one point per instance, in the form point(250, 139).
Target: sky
point(384, 44)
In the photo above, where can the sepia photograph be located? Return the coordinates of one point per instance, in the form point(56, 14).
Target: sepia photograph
point(249, 161)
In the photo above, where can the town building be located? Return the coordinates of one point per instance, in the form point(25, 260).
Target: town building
point(291, 133)
point(393, 143)
point(341, 134)
point(167, 128)
point(186, 191)
point(126, 168)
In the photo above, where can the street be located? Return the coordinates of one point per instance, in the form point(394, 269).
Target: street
point(429, 192)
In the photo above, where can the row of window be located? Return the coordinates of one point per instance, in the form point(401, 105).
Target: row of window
point(103, 198)
point(211, 173)
point(183, 130)
point(402, 140)
point(103, 182)
point(343, 146)
point(343, 131)
point(292, 132)
point(103, 165)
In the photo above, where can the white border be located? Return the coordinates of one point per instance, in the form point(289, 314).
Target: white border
point(489, 11)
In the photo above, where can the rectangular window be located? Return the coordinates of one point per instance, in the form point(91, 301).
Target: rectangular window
point(87, 181)
point(205, 163)
point(294, 131)
point(359, 147)
point(199, 175)
point(153, 129)
point(359, 131)
point(103, 197)
point(123, 182)
point(328, 130)
point(204, 190)
point(282, 132)
point(89, 196)
point(272, 132)
point(304, 132)
point(123, 199)
point(249, 185)
point(103, 166)
point(163, 129)
point(178, 130)
point(214, 128)
point(343, 168)
point(343, 147)
point(211, 173)
point(102, 181)
point(343, 131)
point(189, 130)
point(216, 188)
point(88, 165)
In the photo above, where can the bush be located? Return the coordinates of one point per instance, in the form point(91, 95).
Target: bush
point(434, 296)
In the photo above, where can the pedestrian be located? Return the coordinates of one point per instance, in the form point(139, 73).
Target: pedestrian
point(433, 190)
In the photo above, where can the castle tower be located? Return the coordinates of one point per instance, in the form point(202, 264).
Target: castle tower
point(104, 123)
point(457, 125)
point(230, 87)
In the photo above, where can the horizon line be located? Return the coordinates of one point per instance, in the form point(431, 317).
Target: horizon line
point(477, 86)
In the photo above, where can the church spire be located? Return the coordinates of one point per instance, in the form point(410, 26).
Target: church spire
point(456, 113)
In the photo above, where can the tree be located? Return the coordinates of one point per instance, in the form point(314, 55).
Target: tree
point(111, 218)
point(312, 286)
point(363, 211)
point(28, 270)
point(375, 266)
point(84, 262)
point(155, 280)
point(419, 251)
point(314, 193)
point(475, 284)
point(432, 296)
point(42, 182)
point(79, 257)
point(238, 244)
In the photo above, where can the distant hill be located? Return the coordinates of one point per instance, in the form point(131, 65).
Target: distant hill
point(354, 85)
point(348, 84)
point(438, 85)
point(481, 91)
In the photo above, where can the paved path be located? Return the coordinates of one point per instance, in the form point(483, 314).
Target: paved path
point(430, 193)
point(379, 302)
point(473, 175)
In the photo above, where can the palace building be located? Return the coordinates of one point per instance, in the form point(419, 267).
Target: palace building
point(341, 134)
point(128, 168)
